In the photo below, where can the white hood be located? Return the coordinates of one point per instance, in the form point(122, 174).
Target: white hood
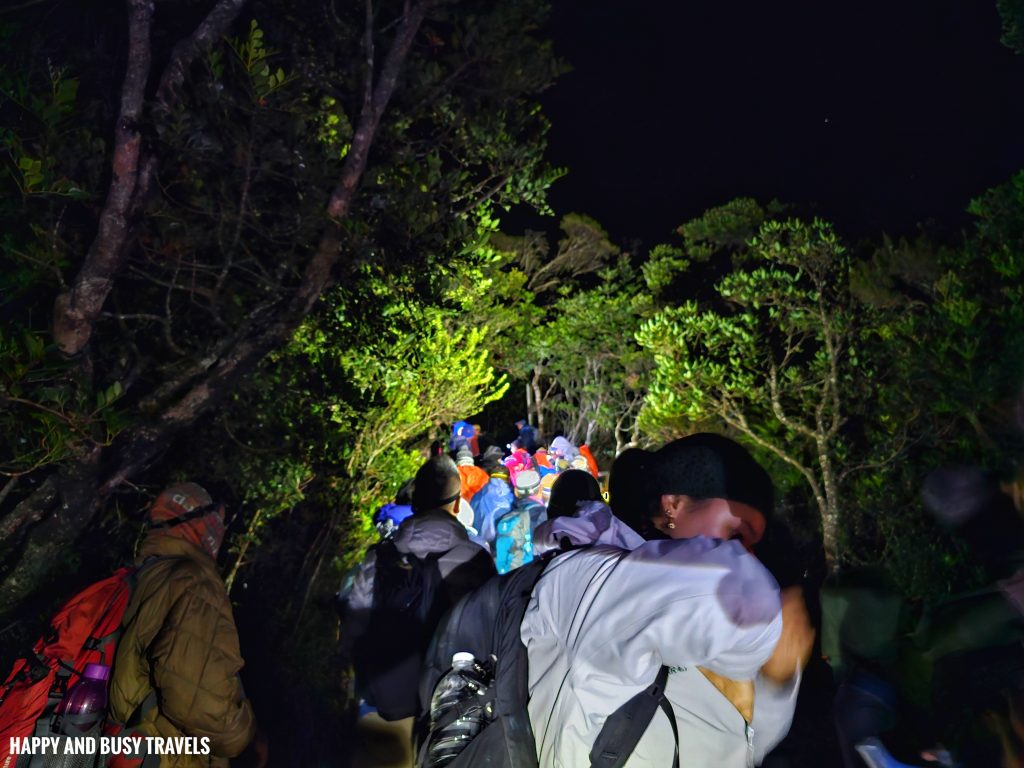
point(593, 523)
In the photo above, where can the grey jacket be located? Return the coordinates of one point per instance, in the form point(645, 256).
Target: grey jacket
point(464, 565)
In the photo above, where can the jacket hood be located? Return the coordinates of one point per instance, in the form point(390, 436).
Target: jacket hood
point(430, 533)
point(160, 544)
point(593, 523)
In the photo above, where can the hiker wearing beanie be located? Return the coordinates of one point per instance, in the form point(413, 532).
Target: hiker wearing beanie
point(434, 529)
point(176, 669)
point(389, 640)
point(694, 609)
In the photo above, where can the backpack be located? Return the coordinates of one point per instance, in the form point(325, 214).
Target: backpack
point(408, 601)
point(513, 540)
point(486, 623)
point(84, 631)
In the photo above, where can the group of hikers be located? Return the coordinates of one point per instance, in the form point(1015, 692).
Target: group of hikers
point(662, 591)
point(675, 584)
point(520, 611)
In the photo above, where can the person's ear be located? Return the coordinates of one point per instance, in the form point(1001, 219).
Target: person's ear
point(673, 504)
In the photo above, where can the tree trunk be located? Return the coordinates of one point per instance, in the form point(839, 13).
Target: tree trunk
point(76, 310)
point(538, 402)
point(530, 410)
point(829, 507)
point(58, 511)
point(135, 450)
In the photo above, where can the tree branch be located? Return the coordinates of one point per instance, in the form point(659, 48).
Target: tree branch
point(75, 311)
point(140, 447)
point(211, 29)
point(776, 402)
point(739, 422)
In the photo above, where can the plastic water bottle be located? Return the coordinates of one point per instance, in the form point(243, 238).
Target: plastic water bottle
point(465, 681)
point(83, 707)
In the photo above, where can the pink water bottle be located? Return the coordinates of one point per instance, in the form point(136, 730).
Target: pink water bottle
point(82, 710)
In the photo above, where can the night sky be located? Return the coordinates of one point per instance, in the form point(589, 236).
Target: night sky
point(875, 115)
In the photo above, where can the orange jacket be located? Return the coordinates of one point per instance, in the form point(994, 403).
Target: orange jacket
point(591, 462)
point(473, 479)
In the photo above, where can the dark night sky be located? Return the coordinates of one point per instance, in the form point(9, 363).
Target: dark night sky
point(875, 115)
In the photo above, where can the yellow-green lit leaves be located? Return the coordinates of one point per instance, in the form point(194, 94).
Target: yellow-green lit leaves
point(664, 265)
point(31, 174)
point(107, 396)
point(334, 129)
point(431, 374)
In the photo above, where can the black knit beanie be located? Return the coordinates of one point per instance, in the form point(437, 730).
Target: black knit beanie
point(436, 484)
point(710, 466)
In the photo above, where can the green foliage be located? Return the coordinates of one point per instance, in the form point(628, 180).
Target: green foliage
point(728, 226)
point(664, 264)
point(1012, 12)
point(564, 319)
point(716, 240)
point(773, 361)
point(870, 372)
point(41, 112)
point(769, 343)
point(588, 351)
point(256, 60)
point(247, 153)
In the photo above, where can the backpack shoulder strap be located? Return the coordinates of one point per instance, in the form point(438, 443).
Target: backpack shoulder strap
point(626, 725)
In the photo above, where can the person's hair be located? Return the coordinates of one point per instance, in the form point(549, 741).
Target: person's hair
point(572, 487)
point(628, 494)
point(404, 494)
point(711, 466)
point(436, 486)
point(701, 466)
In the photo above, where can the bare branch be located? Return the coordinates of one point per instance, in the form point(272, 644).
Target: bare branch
point(210, 30)
point(8, 487)
point(739, 422)
point(76, 310)
point(776, 402)
point(262, 335)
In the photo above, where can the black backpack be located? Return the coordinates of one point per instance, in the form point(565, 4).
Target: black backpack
point(408, 601)
point(486, 623)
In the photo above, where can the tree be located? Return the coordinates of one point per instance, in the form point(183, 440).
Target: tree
point(278, 149)
point(1012, 12)
point(353, 411)
point(773, 358)
point(526, 279)
point(590, 358)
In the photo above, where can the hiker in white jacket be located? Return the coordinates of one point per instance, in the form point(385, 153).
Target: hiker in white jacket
point(602, 621)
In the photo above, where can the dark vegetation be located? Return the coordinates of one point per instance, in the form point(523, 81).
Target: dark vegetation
point(257, 244)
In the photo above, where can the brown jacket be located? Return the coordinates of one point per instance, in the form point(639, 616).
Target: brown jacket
point(179, 638)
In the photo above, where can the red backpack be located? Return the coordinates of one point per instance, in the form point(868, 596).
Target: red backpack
point(84, 631)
